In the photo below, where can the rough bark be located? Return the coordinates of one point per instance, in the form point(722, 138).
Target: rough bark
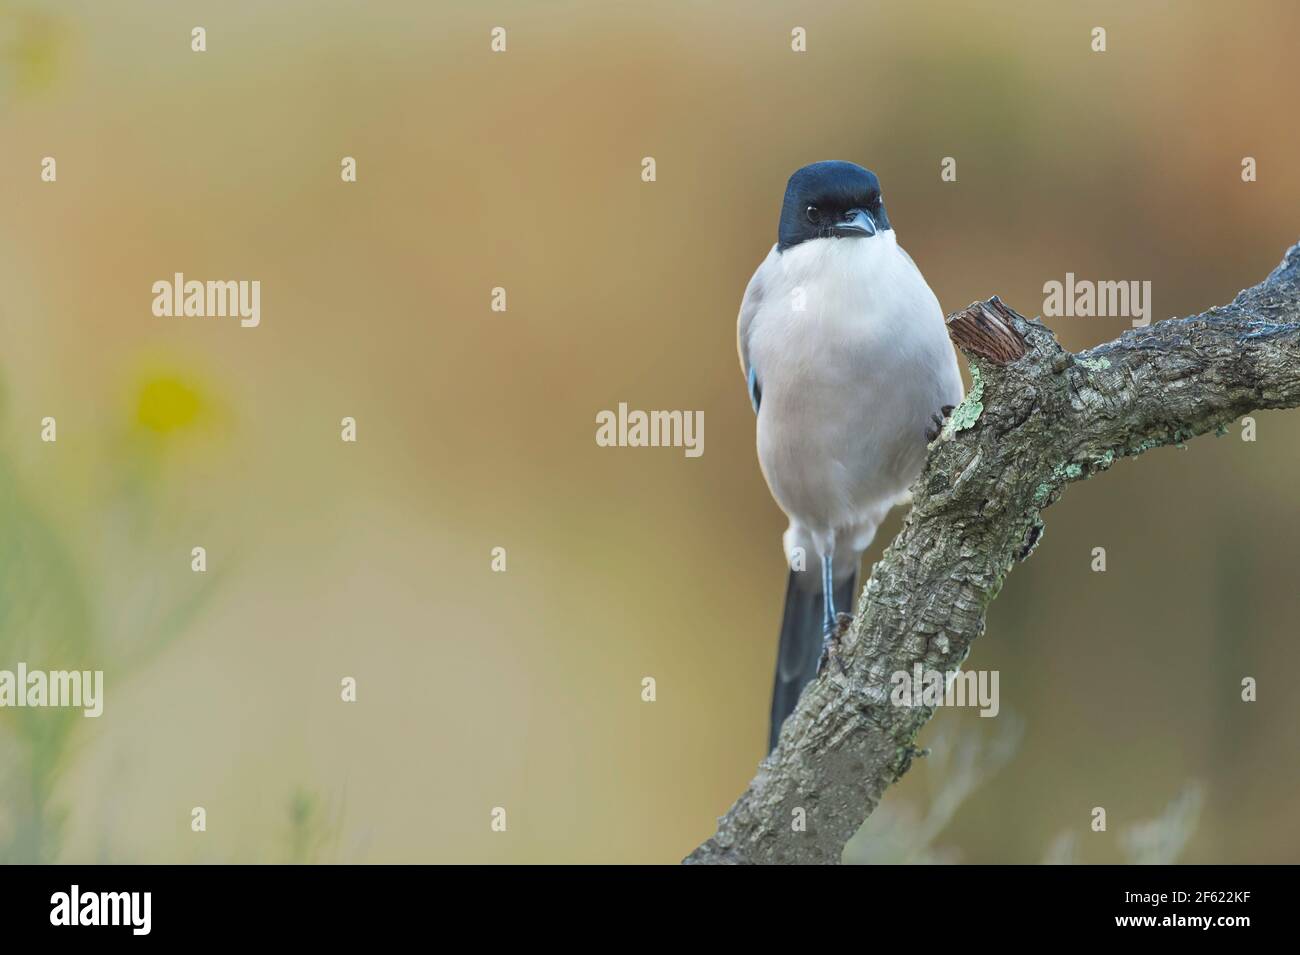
point(1037, 418)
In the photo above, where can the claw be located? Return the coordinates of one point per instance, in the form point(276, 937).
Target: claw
point(831, 645)
point(938, 419)
point(932, 433)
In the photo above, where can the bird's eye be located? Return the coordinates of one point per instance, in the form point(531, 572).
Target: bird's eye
point(813, 214)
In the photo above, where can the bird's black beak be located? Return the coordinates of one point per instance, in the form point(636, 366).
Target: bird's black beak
point(857, 223)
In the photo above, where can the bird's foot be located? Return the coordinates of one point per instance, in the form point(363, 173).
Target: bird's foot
point(831, 644)
point(939, 419)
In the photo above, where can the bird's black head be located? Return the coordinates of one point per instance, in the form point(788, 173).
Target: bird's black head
point(831, 200)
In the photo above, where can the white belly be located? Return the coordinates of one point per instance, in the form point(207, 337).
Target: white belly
point(850, 382)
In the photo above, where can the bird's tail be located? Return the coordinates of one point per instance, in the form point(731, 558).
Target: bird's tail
point(801, 641)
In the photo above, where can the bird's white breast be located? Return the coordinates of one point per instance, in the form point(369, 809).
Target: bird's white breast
point(852, 358)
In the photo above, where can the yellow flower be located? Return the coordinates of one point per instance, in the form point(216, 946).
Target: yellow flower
point(36, 49)
point(167, 404)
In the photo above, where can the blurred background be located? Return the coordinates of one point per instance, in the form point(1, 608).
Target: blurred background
point(372, 560)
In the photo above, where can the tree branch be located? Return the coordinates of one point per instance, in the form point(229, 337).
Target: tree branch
point(1037, 418)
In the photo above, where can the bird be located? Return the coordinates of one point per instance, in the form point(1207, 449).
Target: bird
point(851, 374)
